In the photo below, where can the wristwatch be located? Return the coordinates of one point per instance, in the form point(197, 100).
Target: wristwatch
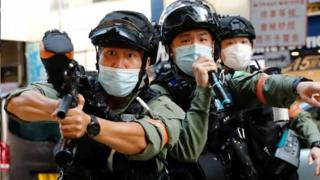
point(93, 127)
point(315, 144)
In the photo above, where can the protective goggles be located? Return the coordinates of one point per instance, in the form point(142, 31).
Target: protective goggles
point(177, 15)
point(119, 30)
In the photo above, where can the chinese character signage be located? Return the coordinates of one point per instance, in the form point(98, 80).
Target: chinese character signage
point(279, 22)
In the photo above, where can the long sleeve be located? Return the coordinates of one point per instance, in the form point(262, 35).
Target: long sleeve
point(193, 136)
point(251, 90)
point(305, 128)
point(171, 115)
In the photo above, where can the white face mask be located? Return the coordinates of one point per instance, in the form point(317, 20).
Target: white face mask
point(187, 55)
point(118, 82)
point(237, 56)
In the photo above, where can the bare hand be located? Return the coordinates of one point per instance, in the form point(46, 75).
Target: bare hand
point(200, 69)
point(309, 92)
point(74, 125)
point(314, 155)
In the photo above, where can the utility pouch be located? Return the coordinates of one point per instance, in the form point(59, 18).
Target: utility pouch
point(286, 158)
point(211, 167)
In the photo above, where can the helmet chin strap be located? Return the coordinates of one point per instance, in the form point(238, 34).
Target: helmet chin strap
point(142, 73)
point(97, 58)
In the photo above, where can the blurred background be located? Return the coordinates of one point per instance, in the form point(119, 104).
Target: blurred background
point(288, 36)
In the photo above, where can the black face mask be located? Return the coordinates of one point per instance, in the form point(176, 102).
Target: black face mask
point(55, 67)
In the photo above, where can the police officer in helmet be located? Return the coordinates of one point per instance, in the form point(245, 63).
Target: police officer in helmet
point(189, 31)
point(126, 130)
point(237, 35)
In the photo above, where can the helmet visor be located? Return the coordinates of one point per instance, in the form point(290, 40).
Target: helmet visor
point(179, 16)
point(118, 33)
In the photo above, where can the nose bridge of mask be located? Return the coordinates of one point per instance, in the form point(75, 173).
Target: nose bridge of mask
point(240, 47)
point(118, 82)
point(194, 49)
point(118, 70)
point(237, 48)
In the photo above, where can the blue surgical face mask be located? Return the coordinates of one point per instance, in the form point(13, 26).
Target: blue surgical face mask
point(187, 55)
point(118, 82)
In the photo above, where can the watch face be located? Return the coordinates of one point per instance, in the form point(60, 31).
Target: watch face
point(93, 129)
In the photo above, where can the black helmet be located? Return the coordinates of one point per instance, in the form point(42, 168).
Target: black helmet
point(236, 26)
point(182, 15)
point(126, 29)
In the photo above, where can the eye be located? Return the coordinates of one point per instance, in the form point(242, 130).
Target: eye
point(111, 52)
point(245, 41)
point(131, 55)
point(203, 39)
point(184, 40)
point(229, 43)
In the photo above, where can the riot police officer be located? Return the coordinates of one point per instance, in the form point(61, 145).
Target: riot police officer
point(189, 30)
point(237, 35)
point(123, 129)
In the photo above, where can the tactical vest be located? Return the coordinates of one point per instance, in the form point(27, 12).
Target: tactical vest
point(180, 88)
point(90, 161)
point(181, 91)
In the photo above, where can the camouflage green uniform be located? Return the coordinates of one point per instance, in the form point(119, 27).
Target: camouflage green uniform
point(278, 91)
point(305, 127)
point(162, 107)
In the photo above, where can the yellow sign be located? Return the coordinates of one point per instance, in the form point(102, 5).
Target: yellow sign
point(308, 67)
point(47, 176)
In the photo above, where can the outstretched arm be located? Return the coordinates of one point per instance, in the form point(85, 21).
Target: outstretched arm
point(32, 106)
point(302, 123)
point(142, 138)
point(251, 90)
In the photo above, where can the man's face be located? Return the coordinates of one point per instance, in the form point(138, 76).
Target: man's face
point(189, 37)
point(122, 58)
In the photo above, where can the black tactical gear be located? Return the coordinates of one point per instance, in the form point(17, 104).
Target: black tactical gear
point(90, 161)
point(182, 89)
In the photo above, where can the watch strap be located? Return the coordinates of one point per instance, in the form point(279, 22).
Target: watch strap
point(315, 144)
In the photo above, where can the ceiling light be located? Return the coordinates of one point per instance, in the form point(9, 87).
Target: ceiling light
point(295, 53)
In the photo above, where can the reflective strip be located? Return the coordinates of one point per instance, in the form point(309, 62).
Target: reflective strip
point(259, 88)
point(47, 176)
point(44, 54)
point(294, 111)
point(161, 126)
